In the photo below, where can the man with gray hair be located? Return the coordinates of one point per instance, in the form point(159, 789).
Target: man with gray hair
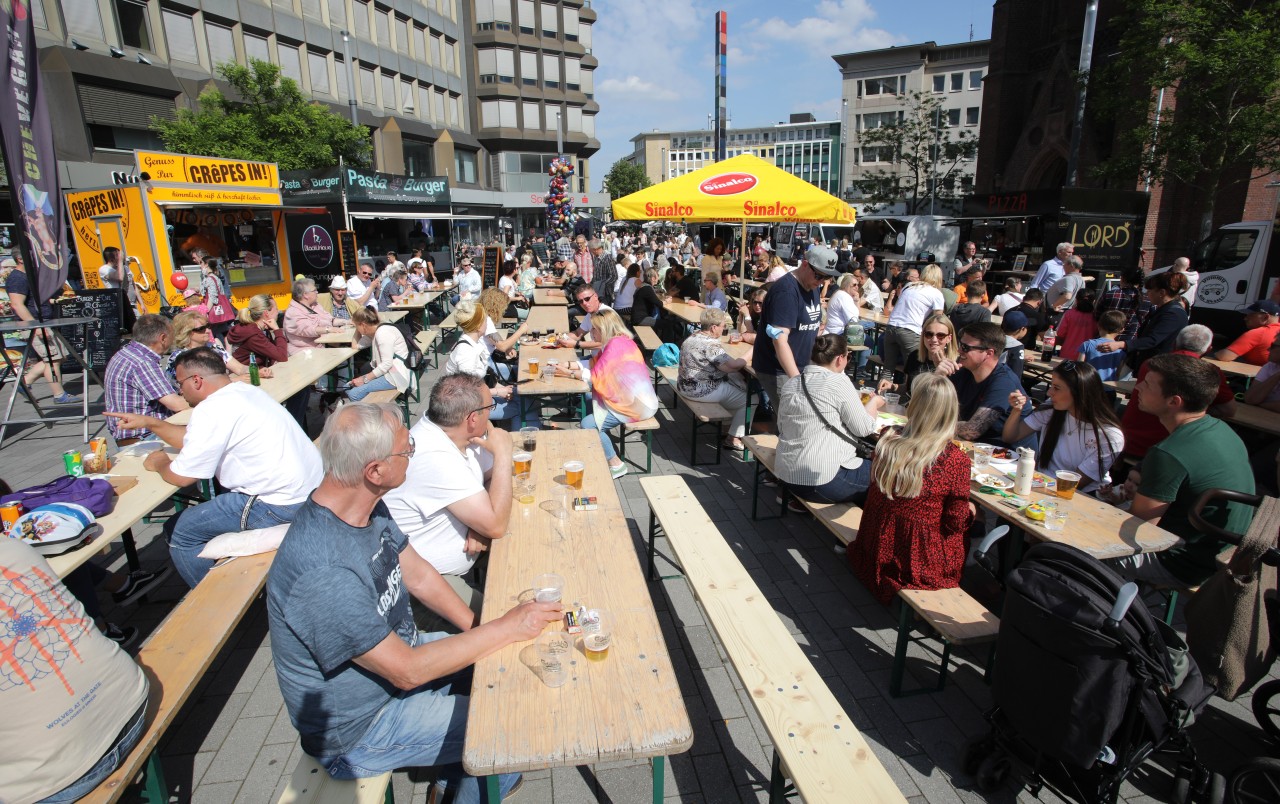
point(456, 498)
point(366, 690)
point(136, 382)
point(1062, 295)
point(1051, 270)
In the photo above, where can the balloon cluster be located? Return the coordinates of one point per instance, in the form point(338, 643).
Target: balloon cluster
point(559, 202)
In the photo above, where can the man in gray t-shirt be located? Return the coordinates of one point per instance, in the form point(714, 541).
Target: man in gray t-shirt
point(342, 635)
point(1062, 295)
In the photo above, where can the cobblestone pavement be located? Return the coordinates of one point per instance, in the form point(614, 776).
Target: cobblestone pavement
point(234, 742)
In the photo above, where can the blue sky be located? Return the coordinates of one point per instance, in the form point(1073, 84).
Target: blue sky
point(656, 69)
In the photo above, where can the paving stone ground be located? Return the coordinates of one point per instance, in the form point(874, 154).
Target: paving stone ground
point(234, 743)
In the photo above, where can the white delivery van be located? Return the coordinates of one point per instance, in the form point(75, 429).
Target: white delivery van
point(1239, 263)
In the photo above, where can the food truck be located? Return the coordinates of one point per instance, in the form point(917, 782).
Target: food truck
point(174, 204)
point(1019, 230)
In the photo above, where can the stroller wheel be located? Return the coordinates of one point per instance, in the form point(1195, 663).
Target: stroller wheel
point(1255, 782)
point(976, 753)
point(1268, 713)
point(993, 773)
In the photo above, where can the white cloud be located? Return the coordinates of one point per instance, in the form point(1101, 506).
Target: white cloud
point(633, 88)
point(838, 26)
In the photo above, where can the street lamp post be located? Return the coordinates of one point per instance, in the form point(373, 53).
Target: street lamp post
point(351, 79)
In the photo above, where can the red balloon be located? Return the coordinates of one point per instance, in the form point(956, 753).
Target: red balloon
point(179, 281)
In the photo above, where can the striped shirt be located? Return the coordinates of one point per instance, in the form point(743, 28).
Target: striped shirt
point(135, 381)
point(809, 454)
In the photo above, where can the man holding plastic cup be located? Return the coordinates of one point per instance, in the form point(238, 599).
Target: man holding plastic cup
point(367, 691)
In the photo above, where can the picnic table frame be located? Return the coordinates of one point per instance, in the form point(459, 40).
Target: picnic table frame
point(17, 372)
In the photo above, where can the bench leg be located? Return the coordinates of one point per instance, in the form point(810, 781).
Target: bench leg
point(154, 789)
point(659, 778)
point(905, 620)
point(779, 790)
point(755, 495)
point(389, 797)
point(1171, 603)
point(491, 792)
point(653, 543)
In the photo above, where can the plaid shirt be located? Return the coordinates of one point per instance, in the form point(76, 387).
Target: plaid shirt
point(135, 381)
point(564, 251)
point(1130, 301)
point(586, 265)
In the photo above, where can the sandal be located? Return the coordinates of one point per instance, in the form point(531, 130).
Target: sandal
point(734, 444)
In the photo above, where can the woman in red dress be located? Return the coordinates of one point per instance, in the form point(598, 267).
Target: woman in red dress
point(917, 517)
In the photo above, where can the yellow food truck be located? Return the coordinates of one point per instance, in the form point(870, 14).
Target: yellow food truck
point(177, 205)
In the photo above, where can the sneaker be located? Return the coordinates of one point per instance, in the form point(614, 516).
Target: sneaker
point(65, 399)
point(139, 583)
point(618, 471)
point(795, 506)
point(839, 549)
point(124, 637)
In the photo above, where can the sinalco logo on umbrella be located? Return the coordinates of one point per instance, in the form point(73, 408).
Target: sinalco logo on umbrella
point(728, 184)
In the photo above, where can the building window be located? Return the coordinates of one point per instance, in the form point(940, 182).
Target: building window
point(389, 91)
point(360, 12)
point(464, 166)
point(435, 51)
point(484, 15)
point(340, 73)
point(83, 18)
point(318, 68)
point(878, 153)
point(506, 66)
point(417, 158)
point(532, 114)
point(311, 9)
point(487, 66)
point(953, 117)
point(975, 79)
point(550, 23)
point(589, 125)
point(255, 47)
point(588, 83)
point(437, 100)
point(525, 11)
point(584, 35)
point(971, 116)
point(368, 87)
point(382, 24)
point(180, 32)
point(402, 35)
point(37, 15)
point(528, 68)
point(135, 31)
point(570, 24)
point(290, 63)
point(939, 83)
point(450, 51)
point(222, 44)
point(338, 14)
point(957, 82)
point(572, 73)
point(117, 138)
point(881, 86)
point(575, 119)
point(551, 70)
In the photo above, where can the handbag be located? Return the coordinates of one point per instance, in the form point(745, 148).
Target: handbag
point(92, 493)
point(221, 311)
point(864, 448)
point(1229, 618)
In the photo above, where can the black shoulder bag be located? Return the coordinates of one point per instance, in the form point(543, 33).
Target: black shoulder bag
point(864, 448)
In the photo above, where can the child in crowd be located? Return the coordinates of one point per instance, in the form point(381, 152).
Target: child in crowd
point(1108, 364)
point(1014, 325)
point(1077, 324)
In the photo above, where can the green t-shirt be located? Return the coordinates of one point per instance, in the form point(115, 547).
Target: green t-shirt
point(1201, 455)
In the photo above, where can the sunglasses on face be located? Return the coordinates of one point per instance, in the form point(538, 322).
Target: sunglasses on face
point(941, 336)
point(205, 328)
point(966, 348)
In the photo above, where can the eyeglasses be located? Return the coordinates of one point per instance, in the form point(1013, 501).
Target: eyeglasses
point(407, 453)
point(485, 409)
point(205, 328)
point(941, 336)
point(183, 381)
point(966, 348)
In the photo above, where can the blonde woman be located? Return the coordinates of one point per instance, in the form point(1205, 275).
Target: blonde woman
point(918, 301)
point(257, 333)
point(937, 343)
point(917, 515)
point(191, 330)
point(473, 354)
point(621, 390)
point(387, 368)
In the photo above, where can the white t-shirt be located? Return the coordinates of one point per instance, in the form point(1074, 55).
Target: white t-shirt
point(1007, 301)
point(871, 298)
point(438, 476)
point(841, 309)
point(1077, 447)
point(252, 445)
point(508, 286)
point(586, 320)
point(110, 276)
point(916, 303)
point(468, 357)
point(470, 283)
point(356, 289)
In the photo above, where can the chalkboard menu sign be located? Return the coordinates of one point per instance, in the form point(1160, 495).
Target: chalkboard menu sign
point(102, 337)
point(347, 253)
point(489, 267)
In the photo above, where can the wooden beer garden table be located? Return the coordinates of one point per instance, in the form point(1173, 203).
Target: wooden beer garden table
point(531, 387)
point(548, 317)
point(686, 312)
point(550, 296)
point(344, 338)
point(291, 376)
point(415, 303)
point(627, 706)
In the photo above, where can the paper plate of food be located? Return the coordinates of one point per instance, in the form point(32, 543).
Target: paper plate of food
point(993, 480)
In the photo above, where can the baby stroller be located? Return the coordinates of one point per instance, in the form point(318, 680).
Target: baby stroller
point(1087, 683)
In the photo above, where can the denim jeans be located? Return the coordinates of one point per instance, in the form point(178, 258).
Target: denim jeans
point(103, 767)
point(188, 532)
point(422, 728)
point(604, 427)
point(848, 484)
point(358, 392)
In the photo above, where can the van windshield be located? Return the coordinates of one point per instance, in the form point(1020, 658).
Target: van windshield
point(1225, 249)
point(884, 235)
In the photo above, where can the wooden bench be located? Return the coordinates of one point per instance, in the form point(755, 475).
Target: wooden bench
point(705, 414)
point(427, 342)
point(394, 397)
point(175, 659)
point(954, 614)
point(815, 743)
point(649, 340)
point(645, 428)
point(312, 784)
point(842, 519)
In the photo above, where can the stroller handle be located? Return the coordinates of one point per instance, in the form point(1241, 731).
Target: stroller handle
point(1271, 557)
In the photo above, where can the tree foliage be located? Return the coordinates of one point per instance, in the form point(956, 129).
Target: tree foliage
point(920, 152)
point(625, 178)
point(271, 122)
point(1220, 61)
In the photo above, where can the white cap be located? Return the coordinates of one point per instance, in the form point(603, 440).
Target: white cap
point(339, 283)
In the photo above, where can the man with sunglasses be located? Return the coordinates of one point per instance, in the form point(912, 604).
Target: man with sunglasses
point(361, 287)
point(456, 498)
point(589, 302)
point(790, 317)
point(982, 383)
point(263, 462)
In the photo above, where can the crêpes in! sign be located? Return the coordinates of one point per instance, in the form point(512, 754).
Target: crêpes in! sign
point(728, 184)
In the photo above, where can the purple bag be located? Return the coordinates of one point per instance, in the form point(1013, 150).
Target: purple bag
point(96, 495)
